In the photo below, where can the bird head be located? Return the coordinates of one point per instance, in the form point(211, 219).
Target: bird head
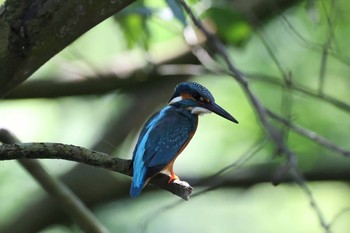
point(197, 99)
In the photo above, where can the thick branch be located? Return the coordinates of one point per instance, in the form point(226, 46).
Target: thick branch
point(33, 31)
point(89, 157)
point(111, 78)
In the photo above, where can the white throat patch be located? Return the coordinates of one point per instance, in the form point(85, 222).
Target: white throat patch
point(199, 110)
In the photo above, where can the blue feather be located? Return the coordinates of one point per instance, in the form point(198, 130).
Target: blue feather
point(160, 141)
point(140, 170)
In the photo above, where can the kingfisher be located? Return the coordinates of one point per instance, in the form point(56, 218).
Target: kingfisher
point(166, 134)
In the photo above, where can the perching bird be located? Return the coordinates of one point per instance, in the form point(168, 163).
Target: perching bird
point(167, 133)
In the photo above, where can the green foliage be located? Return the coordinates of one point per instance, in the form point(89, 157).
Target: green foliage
point(229, 25)
point(133, 23)
point(177, 11)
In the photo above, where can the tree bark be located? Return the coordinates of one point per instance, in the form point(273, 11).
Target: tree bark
point(33, 31)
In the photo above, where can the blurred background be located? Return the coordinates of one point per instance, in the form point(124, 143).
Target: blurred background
point(99, 91)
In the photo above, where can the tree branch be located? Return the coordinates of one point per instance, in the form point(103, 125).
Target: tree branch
point(89, 157)
point(33, 31)
point(72, 205)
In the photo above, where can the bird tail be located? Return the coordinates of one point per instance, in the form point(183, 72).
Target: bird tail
point(138, 182)
point(135, 190)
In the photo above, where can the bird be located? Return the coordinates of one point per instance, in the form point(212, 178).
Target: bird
point(167, 132)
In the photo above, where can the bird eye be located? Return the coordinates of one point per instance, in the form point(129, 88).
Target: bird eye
point(199, 97)
point(196, 96)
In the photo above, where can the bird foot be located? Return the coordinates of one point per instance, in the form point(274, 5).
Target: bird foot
point(172, 178)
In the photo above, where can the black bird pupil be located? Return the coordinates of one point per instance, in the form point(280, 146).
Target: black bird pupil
point(197, 96)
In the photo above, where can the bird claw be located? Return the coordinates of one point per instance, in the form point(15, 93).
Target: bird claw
point(173, 178)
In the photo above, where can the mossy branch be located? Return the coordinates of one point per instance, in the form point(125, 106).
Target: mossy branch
point(89, 157)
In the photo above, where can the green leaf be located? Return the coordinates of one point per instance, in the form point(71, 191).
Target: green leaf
point(229, 25)
point(177, 11)
point(133, 22)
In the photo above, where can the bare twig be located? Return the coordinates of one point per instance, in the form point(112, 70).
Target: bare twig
point(273, 55)
point(326, 46)
point(311, 44)
point(252, 150)
point(323, 65)
point(311, 135)
point(305, 188)
point(287, 98)
point(67, 199)
point(302, 89)
point(213, 183)
point(338, 215)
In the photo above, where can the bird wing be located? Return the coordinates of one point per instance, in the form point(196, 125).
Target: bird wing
point(163, 137)
point(166, 140)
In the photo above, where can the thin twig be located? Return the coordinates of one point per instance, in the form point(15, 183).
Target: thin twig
point(287, 104)
point(338, 215)
point(273, 55)
point(323, 65)
point(311, 135)
point(305, 188)
point(212, 180)
point(311, 44)
point(252, 150)
point(302, 89)
point(326, 47)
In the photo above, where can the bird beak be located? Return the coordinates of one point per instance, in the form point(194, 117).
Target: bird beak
point(219, 111)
